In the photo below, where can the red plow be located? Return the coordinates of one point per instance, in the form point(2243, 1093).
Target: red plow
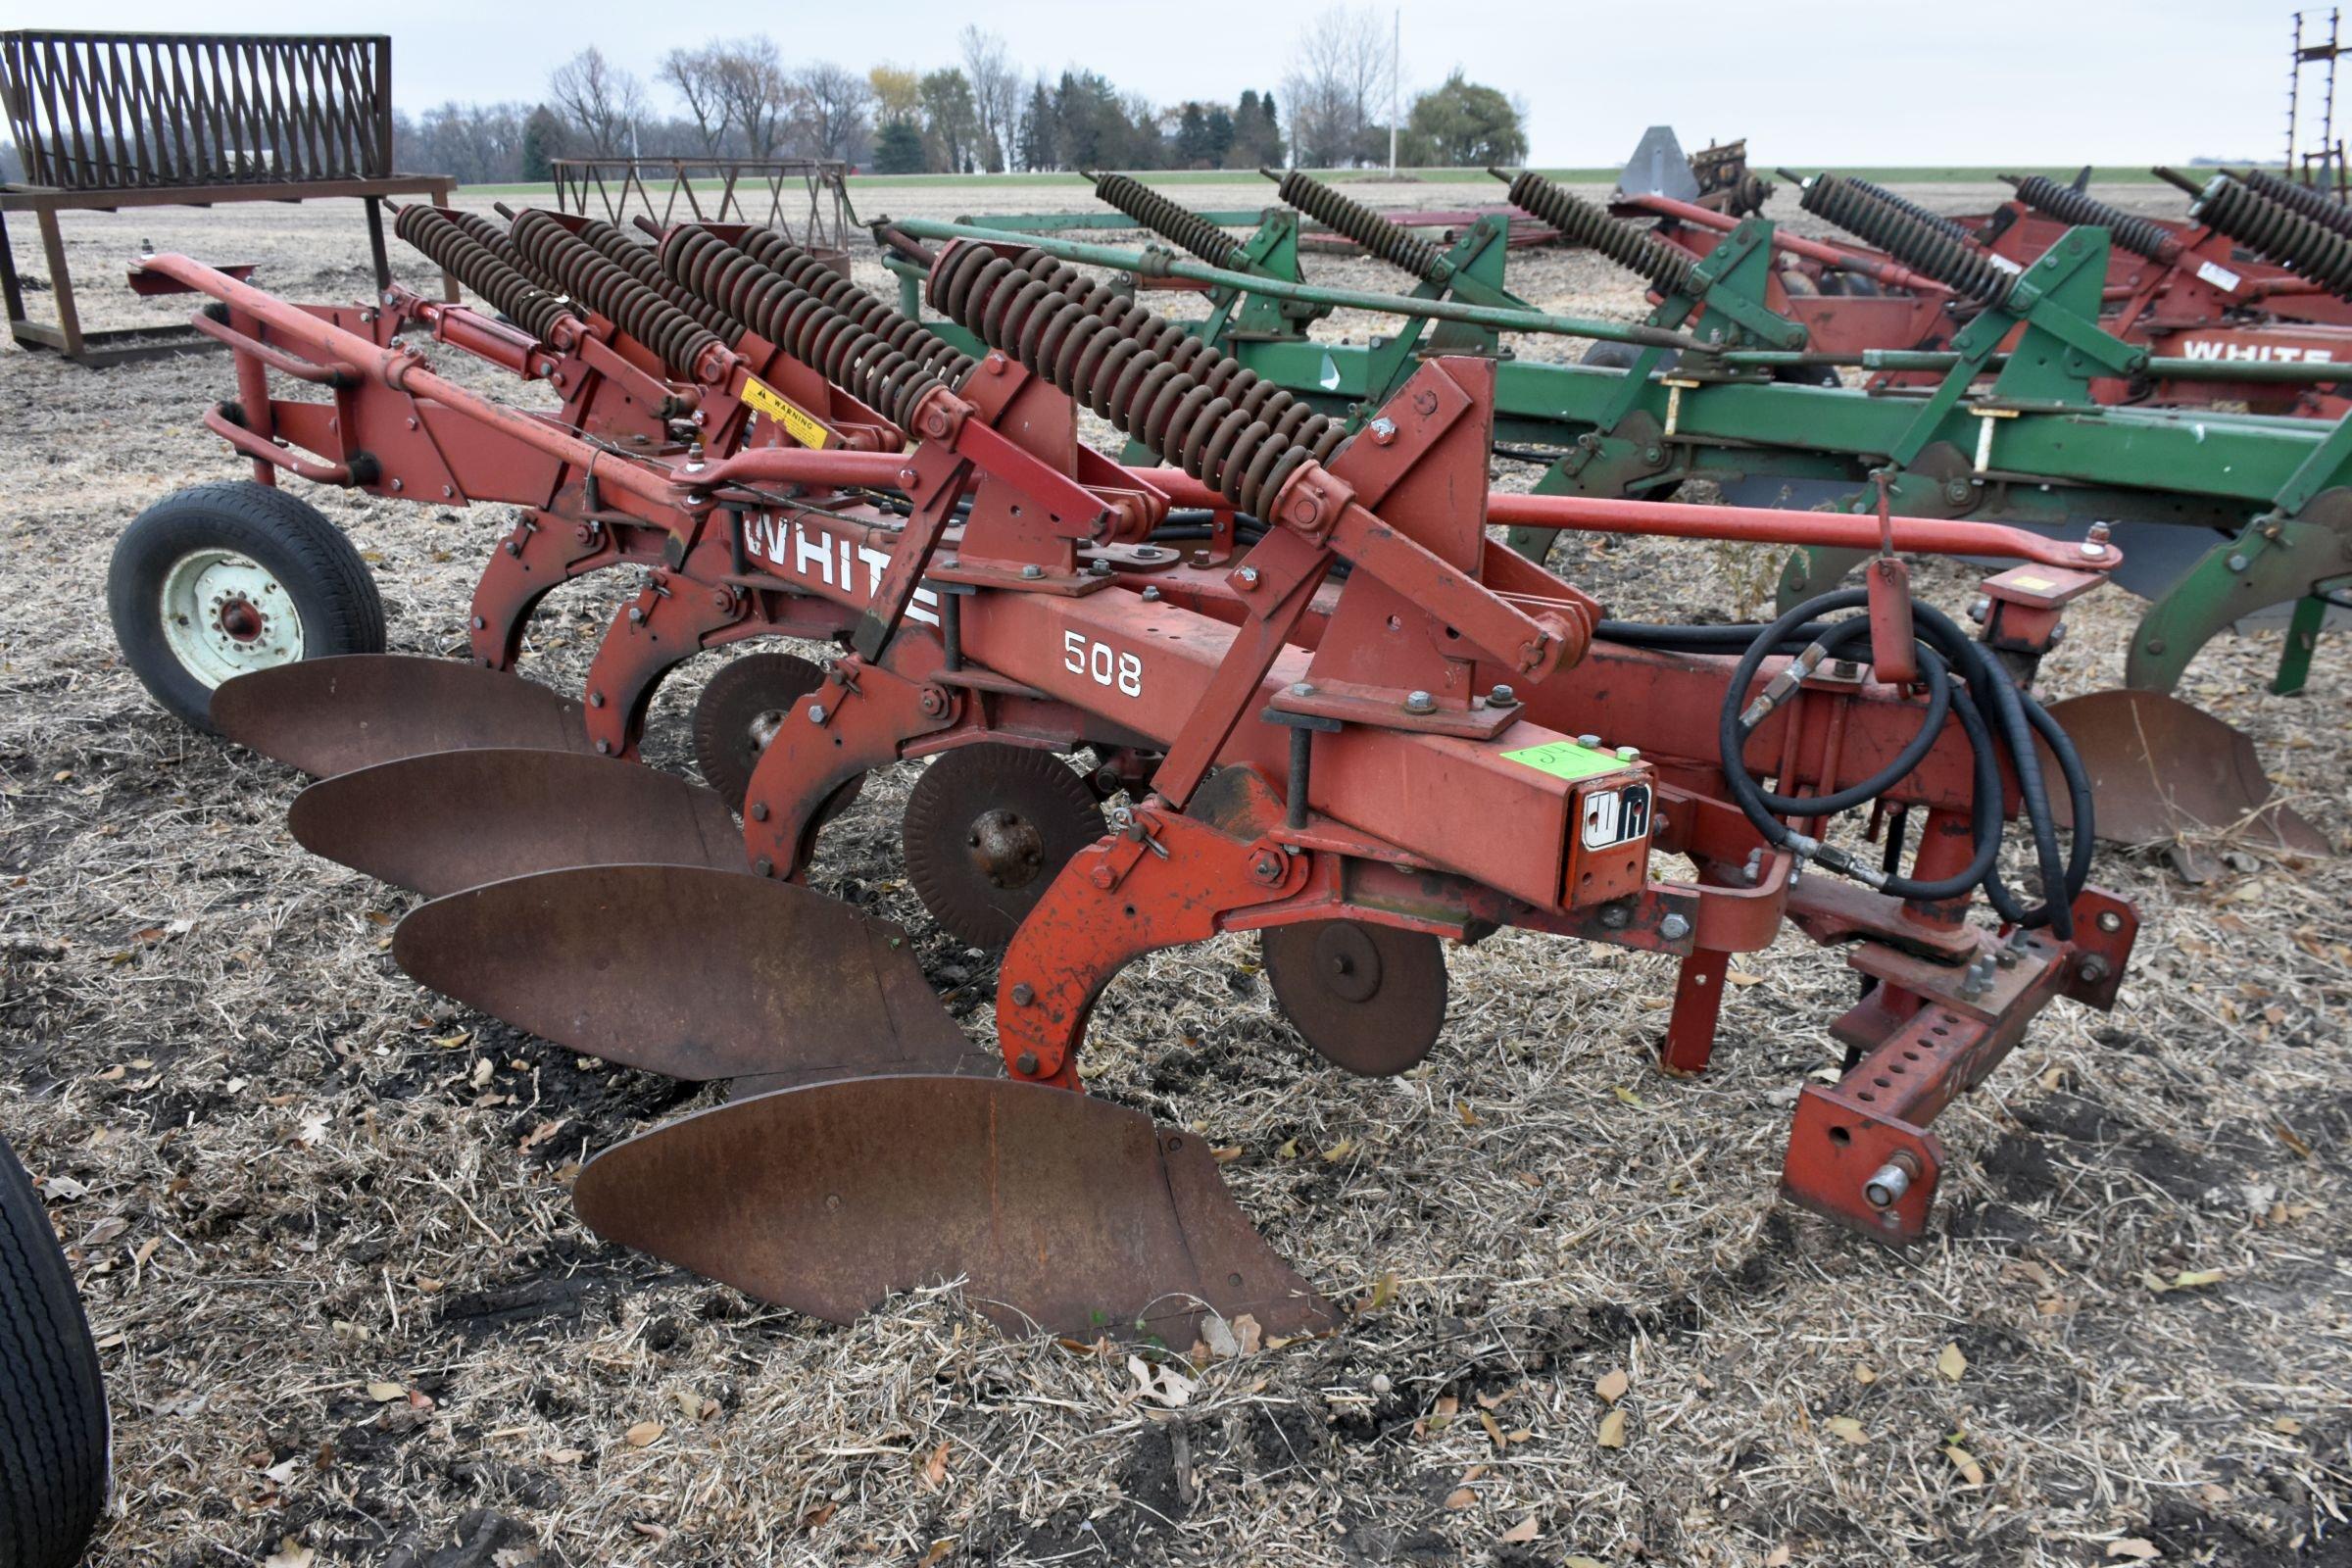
point(1322, 705)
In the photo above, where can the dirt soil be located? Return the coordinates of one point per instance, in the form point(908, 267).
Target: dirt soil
point(347, 1315)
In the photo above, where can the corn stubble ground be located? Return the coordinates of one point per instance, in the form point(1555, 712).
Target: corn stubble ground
point(321, 1216)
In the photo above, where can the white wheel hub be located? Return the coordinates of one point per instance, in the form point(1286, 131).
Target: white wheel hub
point(225, 614)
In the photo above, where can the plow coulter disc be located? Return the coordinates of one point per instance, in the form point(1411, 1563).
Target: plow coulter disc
point(683, 970)
point(1069, 1213)
point(1368, 998)
point(2161, 769)
point(325, 717)
point(987, 830)
point(448, 821)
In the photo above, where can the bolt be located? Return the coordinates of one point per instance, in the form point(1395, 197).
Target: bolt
point(1101, 568)
point(2057, 634)
point(2006, 957)
point(1151, 596)
point(1383, 431)
point(397, 486)
point(1103, 877)
point(1023, 994)
point(1031, 572)
point(764, 866)
point(603, 747)
point(1629, 754)
point(2094, 968)
point(933, 701)
point(596, 699)
point(1267, 866)
point(1302, 688)
point(1502, 696)
point(2110, 921)
point(1886, 1187)
point(1674, 928)
point(479, 624)
point(1593, 741)
point(817, 714)
point(1246, 578)
point(1979, 608)
point(1027, 1064)
point(1419, 703)
point(758, 811)
point(2238, 563)
point(636, 617)
point(1845, 668)
point(1615, 917)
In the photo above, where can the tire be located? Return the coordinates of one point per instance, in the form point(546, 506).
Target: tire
point(229, 554)
point(53, 1425)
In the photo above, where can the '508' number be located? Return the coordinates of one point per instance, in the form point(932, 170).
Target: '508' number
point(1102, 663)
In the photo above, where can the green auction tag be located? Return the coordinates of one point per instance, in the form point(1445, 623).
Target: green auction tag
point(1567, 759)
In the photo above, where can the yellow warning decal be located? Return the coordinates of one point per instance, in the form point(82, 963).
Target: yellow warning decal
point(802, 425)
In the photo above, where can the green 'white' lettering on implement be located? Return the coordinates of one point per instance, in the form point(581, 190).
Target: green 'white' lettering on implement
point(1566, 760)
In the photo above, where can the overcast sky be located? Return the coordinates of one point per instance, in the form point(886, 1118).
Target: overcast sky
point(2050, 82)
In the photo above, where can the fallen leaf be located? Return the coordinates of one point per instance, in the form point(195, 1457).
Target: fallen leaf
point(1580, 1561)
point(1384, 1291)
point(1338, 1151)
point(1777, 1557)
point(1965, 1463)
point(1866, 1375)
point(61, 1189)
point(1952, 1363)
point(935, 1470)
point(1525, 1530)
point(1612, 1430)
point(290, 1553)
point(2190, 1279)
point(566, 1455)
point(1461, 1498)
point(106, 1230)
point(644, 1434)
point(386, 1392)
point(1252, 1334)
point(2288, 1425)
point(1628, 1096)
point(1493, 1430)
point(939, 1550)
point(1461, 1108)
point(1847, 1427)
point(1612, 1386)
point(2136, 1548)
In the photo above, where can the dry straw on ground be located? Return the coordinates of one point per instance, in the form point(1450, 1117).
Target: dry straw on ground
point(321, 1217)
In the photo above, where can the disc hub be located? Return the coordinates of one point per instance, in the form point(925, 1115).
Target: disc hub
point(1007, 849)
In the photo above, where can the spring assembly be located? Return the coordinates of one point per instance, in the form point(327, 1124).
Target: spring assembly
point(2140, 235)
point(847, 354)
point(1345, 215)
point(1911, 209)
point(778, 254)
point(616, 246)
point(1580, 222)
point(1222, 426)
point(607, 287)
point(2264, 226)
point(2303, 200)
point(1171, 221)
point(481, 269)
point(1956, 263)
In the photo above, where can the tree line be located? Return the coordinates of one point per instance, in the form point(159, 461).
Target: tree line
point(743, 98)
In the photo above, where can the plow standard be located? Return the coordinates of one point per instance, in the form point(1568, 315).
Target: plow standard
point(1321, 704)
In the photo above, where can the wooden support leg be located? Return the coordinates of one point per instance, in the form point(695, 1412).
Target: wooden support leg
point(61, 286)
point(10, 289)
point(375, 245)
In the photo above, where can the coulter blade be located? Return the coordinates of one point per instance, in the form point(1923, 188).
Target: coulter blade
point(325, 716)
point(2161, 769)
point(1068, 1213)
point(456, 820)
point(683, 970)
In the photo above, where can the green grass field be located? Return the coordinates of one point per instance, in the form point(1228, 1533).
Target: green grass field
point(861, 185)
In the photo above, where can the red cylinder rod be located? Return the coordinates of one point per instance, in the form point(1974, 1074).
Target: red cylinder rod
point(1681, 519)
point(1887, 272)
point(404, 371)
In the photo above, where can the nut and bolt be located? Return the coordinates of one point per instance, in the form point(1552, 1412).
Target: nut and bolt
point(1023, 994)
point(2238, 563)
point(603, 747)
point(2110, 921)
point(1383, 431)
point(1888, 1184)
point(596, 699)
point(1246, 578)
point(1027, 1064)
point(479, 624)
point(1031, 572)
point(758, 811)
point(764, 866)
point(1979, 608)
point(1615, 917)
point(1302, 688)
point(1502, 696)
point(1420, 703)
point(817, 714)
point(1591, 741)
point(1629, 754)
point(2094, 968)
point(1150, 596)
point(1674, 928)
point(1267, 866)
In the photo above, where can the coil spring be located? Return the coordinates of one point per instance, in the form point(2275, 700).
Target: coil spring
point(859, 362)
point(2261, 224)
point(1345, 215)
point(1171, 221)
point(1580, 222)
point(2304, 201)
point(1219, 422)
point(2067, 205)
point(777, 253)
point(482, 269)
point(607, 287)
point(616, 245)
point(1911, 209)
point(1956, 263)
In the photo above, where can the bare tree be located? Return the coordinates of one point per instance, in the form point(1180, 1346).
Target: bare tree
point(830, 106)
point(694, 76)
point(757, 90)
point(603, 102)
point(996, 90)
point(1338, 87)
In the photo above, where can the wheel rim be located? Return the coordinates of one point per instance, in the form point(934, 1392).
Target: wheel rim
point(225, 614)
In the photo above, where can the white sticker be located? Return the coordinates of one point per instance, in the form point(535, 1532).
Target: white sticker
point(1616, 816)
point(2220, 277)
point(2003, 262)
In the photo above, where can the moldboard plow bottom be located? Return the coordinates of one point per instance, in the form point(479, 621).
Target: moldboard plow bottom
point(1350, 723)
point(1059, 1211)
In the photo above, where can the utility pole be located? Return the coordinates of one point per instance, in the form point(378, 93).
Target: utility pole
point(1396, 61)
